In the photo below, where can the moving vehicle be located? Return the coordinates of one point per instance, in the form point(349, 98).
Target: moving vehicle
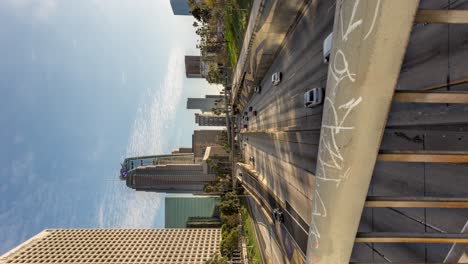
point(278, 215)
point(258, 89)
point(327, 46)
point(313, 97)
point(276, 78)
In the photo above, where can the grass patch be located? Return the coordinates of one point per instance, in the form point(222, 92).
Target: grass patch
point(235, 22)
point(253, 250)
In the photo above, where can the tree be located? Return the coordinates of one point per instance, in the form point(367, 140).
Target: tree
point(217, 259)
point(199, 11)
point(228, 207)
point(230, 221)
point(213, 75)
point(210, 188)
point(230, 243)
point(230, 196)
point(229, 204)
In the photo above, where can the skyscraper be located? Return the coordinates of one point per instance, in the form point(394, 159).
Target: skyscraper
point(99, 246)
point(171, 178)
point(134, 162)
point(206, 104)
point(205, 138)
point(193, 67)
point(210, 119)
point(180, 7)
point(182, 150)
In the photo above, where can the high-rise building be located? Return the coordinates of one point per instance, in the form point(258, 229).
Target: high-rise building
point(180, 7)
point(134, 162)
point(99, 246)
point(193, 67)
point(205, 138)
point(206, 104)
point(171, 178)
point(179, 209)
point(210, 119)
point(182, 150)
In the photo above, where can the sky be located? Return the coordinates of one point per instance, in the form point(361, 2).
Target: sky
point(85, 84)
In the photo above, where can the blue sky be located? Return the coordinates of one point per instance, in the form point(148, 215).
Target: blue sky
point(83, 85)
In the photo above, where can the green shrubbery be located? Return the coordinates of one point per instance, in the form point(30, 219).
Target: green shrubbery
point(217, 259)
point(229, 209)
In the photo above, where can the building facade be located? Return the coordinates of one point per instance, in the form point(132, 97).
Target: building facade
point(193, 67)
point(98, 246)
point(180, 7)
point(210, 119)
point(182, 150)
point(135, 162)
point(201, 139)
point(206, 104)
point(171, 178)
point(204, 222)
point(180, 209)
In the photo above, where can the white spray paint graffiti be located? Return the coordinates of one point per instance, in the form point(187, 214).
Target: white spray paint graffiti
point(334, 169)
point(330, 147)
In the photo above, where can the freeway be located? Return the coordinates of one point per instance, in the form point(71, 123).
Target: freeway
point(265, 228)
point(285, 160)
point(296, 228)
point(283, 137)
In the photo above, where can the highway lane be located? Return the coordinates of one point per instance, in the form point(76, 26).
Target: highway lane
point(274, 253)
point(295, 226)
point(289, 183)
point(302, 67)
point(283, 161)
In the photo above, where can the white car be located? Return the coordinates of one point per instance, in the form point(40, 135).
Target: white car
point(327, 46)
point(313, 97)
point(258, 89)
point(276, 78)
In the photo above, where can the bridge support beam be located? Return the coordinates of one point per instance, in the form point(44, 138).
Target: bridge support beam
point(369, 43)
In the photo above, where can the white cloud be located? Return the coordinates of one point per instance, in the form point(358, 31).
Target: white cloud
point(154, 115)
point(125, 207)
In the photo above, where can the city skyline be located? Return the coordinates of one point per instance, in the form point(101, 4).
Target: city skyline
point(82, 104)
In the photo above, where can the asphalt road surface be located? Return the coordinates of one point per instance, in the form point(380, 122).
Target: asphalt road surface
point(283, 137)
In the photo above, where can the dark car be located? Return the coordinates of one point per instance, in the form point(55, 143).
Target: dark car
point(278, 215)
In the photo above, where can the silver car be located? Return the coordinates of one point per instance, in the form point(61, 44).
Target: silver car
point(258, 89)
point(276, 78)
point(313, 97)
